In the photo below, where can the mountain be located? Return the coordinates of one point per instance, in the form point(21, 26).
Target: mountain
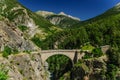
point(19, 25)
point(100, 30)
point(117, 7)
point(62, 20)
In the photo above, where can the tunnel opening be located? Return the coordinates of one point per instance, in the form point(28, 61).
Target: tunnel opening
point(58, 65)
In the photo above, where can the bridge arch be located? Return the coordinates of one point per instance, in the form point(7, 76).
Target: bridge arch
point(71, 61)
point(45, 54)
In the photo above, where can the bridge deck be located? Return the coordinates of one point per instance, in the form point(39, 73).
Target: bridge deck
point(48, 51)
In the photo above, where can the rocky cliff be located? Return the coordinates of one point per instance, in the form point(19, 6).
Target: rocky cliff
point(90, 69)
point(11, 36)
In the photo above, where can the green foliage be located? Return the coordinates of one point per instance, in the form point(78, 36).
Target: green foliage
point(66, 76)
point(41, 22)
point(58, 65)
point(12, 14)
point(97, 52)
point(67, 39)
point(3, 73)
point(114, 57)
point(101, 30)
point(1, 17)
point(88, 47)
point(36, 40)
point(27, 51)
point(7, 51)
point(113, 64)
point(111, 73)
point(87, 56)
point(79, 71)
point(23, 28)
point(7, 13)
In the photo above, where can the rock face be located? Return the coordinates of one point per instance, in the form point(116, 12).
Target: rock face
point(91, 69)
point(24, 67)
point(118, 6)
point(13, 37)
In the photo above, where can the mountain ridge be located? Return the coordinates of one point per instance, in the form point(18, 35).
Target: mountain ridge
point(62, 20)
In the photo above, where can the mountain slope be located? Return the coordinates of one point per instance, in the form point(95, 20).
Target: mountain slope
point(62, 20)
point(101, 30)
point(19, 15)
point(106, 15)
point(23, 25)
point(11, 36)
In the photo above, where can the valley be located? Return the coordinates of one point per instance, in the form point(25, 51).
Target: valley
point(72, 49)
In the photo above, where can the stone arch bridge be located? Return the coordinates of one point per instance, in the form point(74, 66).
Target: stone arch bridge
point(74, 55)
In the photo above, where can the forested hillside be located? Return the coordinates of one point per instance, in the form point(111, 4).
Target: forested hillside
point(101, 30)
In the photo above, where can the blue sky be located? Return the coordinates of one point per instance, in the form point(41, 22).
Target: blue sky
point(83, 9)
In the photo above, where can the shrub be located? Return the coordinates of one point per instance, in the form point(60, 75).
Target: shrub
point(23, 28)
point(7, 51)
point(27, 51)
point(88, 47)
point(111, 71)
point(37, 41)
point(97, 52)
point(87, 56)
point(3, 73)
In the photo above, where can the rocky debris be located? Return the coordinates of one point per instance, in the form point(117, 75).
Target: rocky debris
point(24, 67)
